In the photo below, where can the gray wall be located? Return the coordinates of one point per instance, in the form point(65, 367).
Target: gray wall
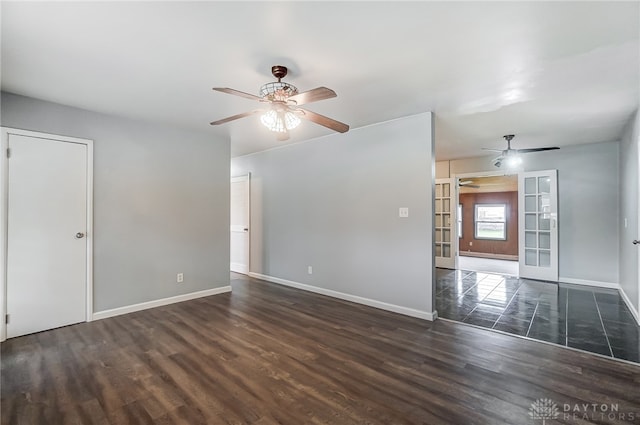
point(629, 209)
point(161, 201)
point(332, 203)
point(588, 192)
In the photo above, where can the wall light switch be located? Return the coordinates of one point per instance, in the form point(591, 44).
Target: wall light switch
point(403, 212)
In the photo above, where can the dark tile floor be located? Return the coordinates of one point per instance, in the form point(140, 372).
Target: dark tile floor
point(590, 319)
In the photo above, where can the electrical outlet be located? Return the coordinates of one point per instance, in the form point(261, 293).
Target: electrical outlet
point(403, 212)
point(470, 243)
point(180, 277)
point(310, 270)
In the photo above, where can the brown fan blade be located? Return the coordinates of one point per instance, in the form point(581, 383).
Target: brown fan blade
point(235, 117)
point(324, 121)
point(536, 149)
point(237, 93)
point(313, 95)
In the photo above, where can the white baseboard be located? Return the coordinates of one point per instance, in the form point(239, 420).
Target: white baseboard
point(348, 297)
point(488, 255)
point(609, 285)
point(633, 310)
point(158, 303)
point(239, 268)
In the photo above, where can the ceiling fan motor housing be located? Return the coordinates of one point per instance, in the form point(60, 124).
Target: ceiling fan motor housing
point(277, 90)
point(279, 71)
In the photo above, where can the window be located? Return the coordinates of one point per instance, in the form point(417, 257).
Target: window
point(491, 221)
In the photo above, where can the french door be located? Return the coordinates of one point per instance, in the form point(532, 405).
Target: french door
point(538, 224)
point(444, 221)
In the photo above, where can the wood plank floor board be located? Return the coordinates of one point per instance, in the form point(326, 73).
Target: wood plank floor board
point(268, 354)
point(331, 392)
point(555, 371)
point(185, 385)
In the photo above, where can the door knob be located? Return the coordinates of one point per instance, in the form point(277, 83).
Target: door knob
point(636, 242)
point(79, 235)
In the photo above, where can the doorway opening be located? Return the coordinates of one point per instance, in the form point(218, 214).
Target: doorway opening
point(487, 224)
point(240, 216)
point(476, 223)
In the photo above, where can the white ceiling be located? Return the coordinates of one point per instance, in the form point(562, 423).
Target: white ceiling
point(553, 73)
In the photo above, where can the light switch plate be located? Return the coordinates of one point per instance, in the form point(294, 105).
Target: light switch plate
point(403, 212)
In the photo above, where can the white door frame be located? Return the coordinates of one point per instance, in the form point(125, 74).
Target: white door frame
point(247, 178)
point(4, 209)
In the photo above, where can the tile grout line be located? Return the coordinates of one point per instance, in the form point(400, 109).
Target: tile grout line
point(477, 283)
point(461, 278)
point(532, 317)
point(465, 293)
point(469, 314)
point(602, 323)
point(468, 273)
point(480, 301)
point(508, 304)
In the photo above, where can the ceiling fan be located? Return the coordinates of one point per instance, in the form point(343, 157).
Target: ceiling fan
point(511, 156)
point(467, 183)
point(282, 101)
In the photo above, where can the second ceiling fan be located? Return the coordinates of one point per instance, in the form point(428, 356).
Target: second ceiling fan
point(282, 111)
point(512, 155)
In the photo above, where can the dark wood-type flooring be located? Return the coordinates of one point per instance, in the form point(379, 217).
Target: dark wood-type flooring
point(267, 354)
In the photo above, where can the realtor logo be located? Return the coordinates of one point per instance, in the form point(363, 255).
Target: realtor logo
point(544, 409)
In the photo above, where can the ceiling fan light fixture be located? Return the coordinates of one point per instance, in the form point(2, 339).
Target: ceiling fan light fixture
point(513, 161)
point(280, 122)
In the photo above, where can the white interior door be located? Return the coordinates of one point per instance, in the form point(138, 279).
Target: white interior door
point(538, 225)
point(46, 268)
point(446, 242)
point(240, 229)
point(637, 176)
